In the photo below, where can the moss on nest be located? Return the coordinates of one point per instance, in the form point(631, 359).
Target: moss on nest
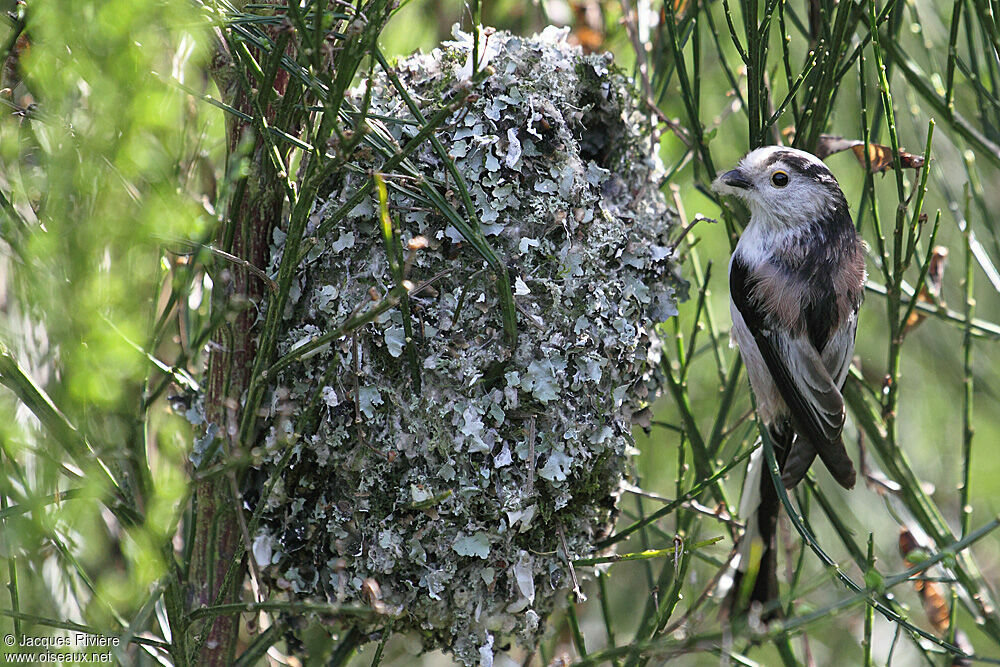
point(453, 499)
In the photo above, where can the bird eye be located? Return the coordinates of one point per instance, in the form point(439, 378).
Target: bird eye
point(779, 179)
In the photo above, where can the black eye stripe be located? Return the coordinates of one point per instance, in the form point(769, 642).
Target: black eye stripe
point(801, 168)
point(800, 165)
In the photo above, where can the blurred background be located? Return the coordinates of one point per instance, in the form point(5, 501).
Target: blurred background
point(107, 147)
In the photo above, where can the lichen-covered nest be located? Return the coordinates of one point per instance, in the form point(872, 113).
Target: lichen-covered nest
point(455, 509)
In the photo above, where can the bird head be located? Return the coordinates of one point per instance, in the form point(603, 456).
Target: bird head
point(783, 186)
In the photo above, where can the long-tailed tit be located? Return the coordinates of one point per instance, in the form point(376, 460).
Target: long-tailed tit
point(796, 282)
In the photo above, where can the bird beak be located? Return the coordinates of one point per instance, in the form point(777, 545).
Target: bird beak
point(736, 179)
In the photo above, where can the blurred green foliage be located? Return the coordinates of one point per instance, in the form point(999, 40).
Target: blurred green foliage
point(100, 152)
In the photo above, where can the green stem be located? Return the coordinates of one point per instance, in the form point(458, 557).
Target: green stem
point(860, 591)
point(949, 95)
point(694, 492)
point(609, 627)
point(869, 609)
point(868, 418)
point(918, 80)
point(11, 561)
point(346, 648)
point(980, 328)
point(644, 555)
point(56, 423)
point(967, 382)
point(574, 626)
point(702, 461)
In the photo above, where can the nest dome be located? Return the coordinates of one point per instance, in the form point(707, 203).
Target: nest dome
point(436, 472)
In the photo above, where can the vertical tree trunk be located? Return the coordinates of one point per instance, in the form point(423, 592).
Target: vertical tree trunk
point(253, 213)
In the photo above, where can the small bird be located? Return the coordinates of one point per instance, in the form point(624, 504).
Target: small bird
point(796, 282)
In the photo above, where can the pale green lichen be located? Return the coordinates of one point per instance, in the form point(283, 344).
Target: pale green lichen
point(455, 499)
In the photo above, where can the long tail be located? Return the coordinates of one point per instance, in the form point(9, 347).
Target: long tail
point(758, 553)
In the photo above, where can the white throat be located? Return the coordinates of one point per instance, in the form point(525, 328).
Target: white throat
point(760, 238)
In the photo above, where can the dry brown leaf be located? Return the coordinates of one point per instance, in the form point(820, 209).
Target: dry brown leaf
point(588, 25)
point(907, 543)
point(935, 272)
point(932, 593)
point(879, 155)
point(590, 40)
point(930, 292)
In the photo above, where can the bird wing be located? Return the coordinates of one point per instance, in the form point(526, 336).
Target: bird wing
point(839, 350)
point(803, 381)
